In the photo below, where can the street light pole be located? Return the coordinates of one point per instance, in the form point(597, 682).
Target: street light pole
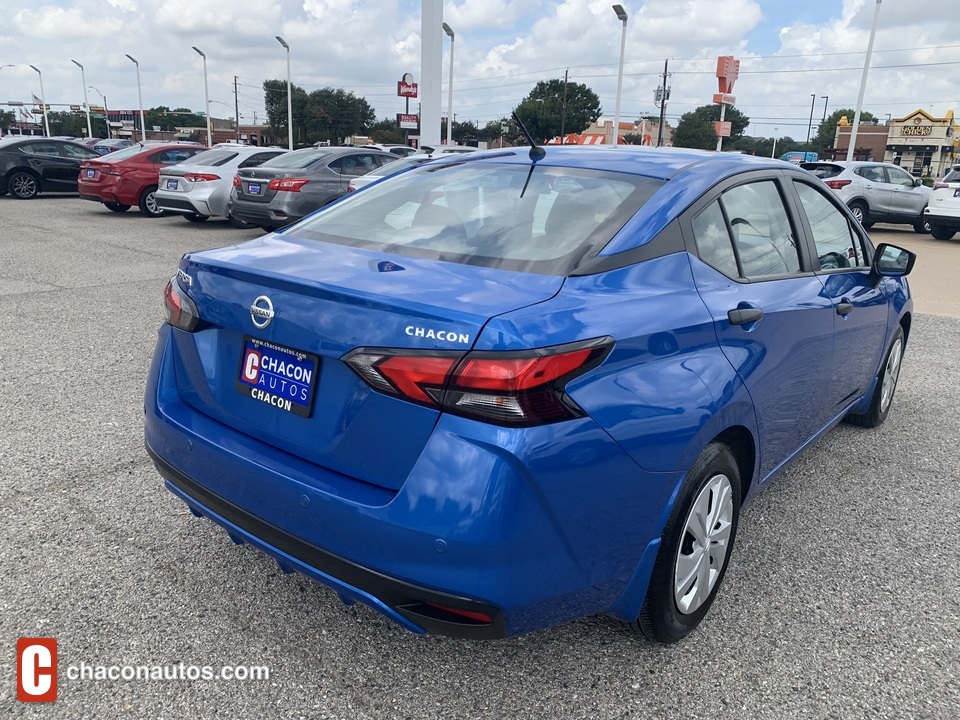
point(86, 105)
point(143, 120)
point(449, 31)
point(813, 99)
point(289, 96)
point(863, 83)
point(622, 15)
point(106, 116)
point(826, 99)
point(206, 94)
point(43, 101)
point(773, 153)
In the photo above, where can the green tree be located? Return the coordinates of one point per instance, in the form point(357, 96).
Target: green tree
point(542, 110)
point(7, 119)
point(334, 114)
point(695, 128)
point(827, 130)
point(386, 131)
point(275, 101)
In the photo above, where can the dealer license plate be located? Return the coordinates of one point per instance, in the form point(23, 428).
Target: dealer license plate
point(171, 184)
point(91, 173)
point(279, 376)
point(253, 188)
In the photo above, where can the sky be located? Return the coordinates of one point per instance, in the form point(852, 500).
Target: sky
point(797, 58)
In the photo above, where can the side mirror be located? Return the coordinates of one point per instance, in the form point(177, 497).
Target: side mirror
point(917, 182)
point(892, 261)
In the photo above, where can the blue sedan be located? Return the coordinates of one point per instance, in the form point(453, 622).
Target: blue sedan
point(500, 392)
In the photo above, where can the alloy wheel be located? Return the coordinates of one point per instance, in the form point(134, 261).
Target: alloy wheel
point(891, 372)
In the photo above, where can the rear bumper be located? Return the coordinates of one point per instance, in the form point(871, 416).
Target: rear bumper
point(180, 204)
point(486, 522)
point(261, 213)
point(947, 221)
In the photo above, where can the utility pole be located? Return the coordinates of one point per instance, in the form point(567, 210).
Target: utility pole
point(663, 95)
point(236, 107)
point(813, 99)
point(563, 114)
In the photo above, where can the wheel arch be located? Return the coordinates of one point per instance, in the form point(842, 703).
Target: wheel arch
point(743, 446)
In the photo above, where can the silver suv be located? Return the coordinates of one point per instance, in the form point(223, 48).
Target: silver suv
point(943, 213)
point(876, 192)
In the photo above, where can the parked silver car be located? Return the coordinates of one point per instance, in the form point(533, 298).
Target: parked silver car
point(201, 189)
point(943, 211)
point(293, 185)
point(876, 192)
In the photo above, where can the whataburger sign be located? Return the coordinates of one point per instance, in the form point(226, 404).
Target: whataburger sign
point(728, 70)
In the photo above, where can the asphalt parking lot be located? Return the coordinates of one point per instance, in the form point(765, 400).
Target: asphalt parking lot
point(841, 601)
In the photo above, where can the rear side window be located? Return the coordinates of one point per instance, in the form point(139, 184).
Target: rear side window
point(761, 231)
point(713, 240)
point(41, 148)
point(540, 219)
point(78, 151)
point(873, 174)
point(823, 170)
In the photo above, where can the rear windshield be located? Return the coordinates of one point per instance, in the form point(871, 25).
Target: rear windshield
point(533, 219)
point(296, 159)
point(823, 170)
point(952, 176)
point(213, 158)
point(124, 153)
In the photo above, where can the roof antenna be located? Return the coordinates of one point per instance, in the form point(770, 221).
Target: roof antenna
point(536, 152)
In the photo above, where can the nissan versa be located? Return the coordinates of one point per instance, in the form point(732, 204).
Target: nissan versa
point(499, 392)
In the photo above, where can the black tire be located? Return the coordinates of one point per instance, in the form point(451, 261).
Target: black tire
point(23, 185)
point(242, 224)
point(192, 217)
point(887, 378)
point(148, 203)
point(670, 613)
point(267, 228)
point(867, 225)
point(921, 226)
point(116, 207)
point(859, 210)
point(942, 233)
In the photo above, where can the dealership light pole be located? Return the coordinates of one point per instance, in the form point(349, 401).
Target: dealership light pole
point(622, 15)
point(863, 83)
point(813, 99)
point(289, 96)
point(43, 101)
point(206, 94)
point(449, 31)
point(143, 120)
point(86, 105)
point(773, 153)
point(826, 99)
point(106, 116)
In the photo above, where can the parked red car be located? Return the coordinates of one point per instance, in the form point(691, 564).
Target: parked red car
point(129, 177)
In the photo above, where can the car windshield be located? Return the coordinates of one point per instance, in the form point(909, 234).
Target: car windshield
point(212, 158)
point(296, 159)
point(517, 217)
point(952, 176)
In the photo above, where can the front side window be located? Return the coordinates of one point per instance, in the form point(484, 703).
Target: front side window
point(899, 177)
point(871, 173)
point(540, 219)
point(761, 230)
point(837, 245)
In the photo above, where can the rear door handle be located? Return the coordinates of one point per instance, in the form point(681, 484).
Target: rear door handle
point(844, 308)
point(744, 316)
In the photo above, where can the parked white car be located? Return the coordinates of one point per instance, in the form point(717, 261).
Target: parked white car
point(201, 189)
point(943, 211)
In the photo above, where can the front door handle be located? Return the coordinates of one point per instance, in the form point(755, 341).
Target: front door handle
point(744, 316)
point(844, 308)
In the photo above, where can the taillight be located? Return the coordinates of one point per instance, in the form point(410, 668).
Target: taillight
point(940, 185)
point(287, 184)
point(837, 184)
point(111, 171)
point(236, 181)
point(181, 311)
point(200, 177)
point(507, 388)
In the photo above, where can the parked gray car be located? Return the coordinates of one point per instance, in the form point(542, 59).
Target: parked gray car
point(293, 185)
point(876, 192)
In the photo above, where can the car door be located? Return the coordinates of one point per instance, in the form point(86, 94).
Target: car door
point(906, 197)
point(876, 189)
point(843, 259)
point(74, 154)
point(43, 158)
point(772, 319)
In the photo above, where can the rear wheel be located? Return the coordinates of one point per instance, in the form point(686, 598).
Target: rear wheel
point(148, 203)
point(942, 233)
point(24, 185)
point(242, 224)
point(193, 217)
point(694, 549)
point(921, 226)
point(859, 211)
point(116, 207)
point(886, 386)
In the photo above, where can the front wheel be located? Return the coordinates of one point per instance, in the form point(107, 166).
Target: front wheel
point(148, 203)
point(694, 548)
point(941, 233)
point(886, 385)
point(23, 185)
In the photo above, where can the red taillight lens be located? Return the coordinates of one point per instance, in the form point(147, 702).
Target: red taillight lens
point(939, 185)
point(236, 181)
point(837, 184)
point(181, 311)
point(111, 171)
point(200, 177)
point(287, 184)
point(520, 389)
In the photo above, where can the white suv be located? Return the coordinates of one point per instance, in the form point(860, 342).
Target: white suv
point(943, 212)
